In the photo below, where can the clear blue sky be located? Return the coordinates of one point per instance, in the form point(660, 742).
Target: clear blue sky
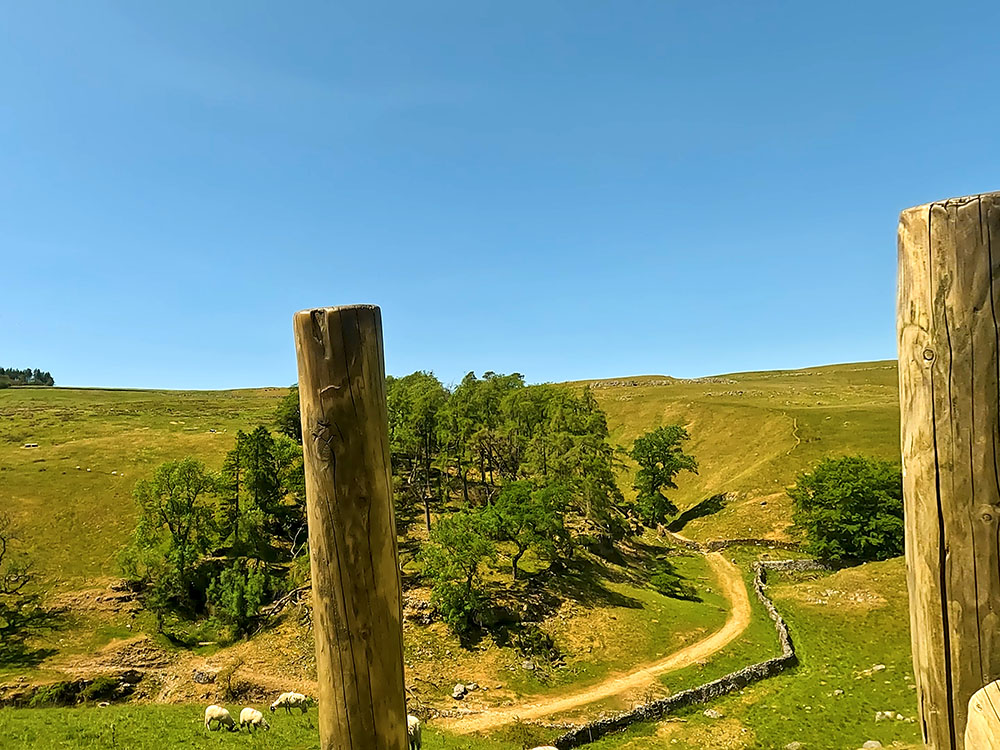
point(565, 189)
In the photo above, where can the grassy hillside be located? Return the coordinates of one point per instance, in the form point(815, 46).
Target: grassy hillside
point(753, 432)
point(71, 496)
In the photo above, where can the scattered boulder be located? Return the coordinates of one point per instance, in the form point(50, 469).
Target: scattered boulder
point(528, 665)
point(871, 745)
point(458, 692)
point(203, 676)
point(470, 686)
point(793, 746)
point(838, 692)
point(712, 713)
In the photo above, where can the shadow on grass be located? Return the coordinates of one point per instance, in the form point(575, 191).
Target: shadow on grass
point(706, 507)
point(19, 627)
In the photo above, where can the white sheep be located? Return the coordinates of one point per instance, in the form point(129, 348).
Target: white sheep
point(253, 719)
point(288, 701)
point(413, 731)
point(221, 718)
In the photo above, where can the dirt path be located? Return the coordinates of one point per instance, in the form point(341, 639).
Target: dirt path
point(735, 590)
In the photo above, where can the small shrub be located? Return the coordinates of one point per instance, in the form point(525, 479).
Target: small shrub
point(460, 607)
point(56, 694)
point(102, 688)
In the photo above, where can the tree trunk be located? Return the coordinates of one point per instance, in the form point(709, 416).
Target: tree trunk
point(352, 532)
point(948, 370)
point(515, 560)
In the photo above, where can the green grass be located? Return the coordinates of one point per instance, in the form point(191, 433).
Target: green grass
point(155, 727)
point(74, 521)
point(836, 642)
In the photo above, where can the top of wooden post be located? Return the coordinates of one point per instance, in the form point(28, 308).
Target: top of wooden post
point(336, 309)
point(948, 202)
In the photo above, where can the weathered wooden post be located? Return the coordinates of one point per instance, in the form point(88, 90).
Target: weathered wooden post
point(352, 531)
point(983, 729)
point(949, 368)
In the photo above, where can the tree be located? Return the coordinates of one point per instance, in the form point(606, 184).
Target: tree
point(529, 517)
point(287, 416)
point(250, 494)
point(850, 508)
point(175, 528)
point(660, 460)
point(414, 402)
point(237, 594)
point(21, 614)
point(459, 546)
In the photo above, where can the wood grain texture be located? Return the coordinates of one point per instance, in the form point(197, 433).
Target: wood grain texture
point(352, 533)
point(983, 729)
point(949, 371)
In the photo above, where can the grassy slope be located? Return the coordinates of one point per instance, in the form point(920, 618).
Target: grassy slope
point(834, 619)
point(753, 432)
point(76, 520)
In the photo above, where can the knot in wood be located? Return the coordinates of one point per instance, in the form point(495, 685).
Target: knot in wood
point(928, 354)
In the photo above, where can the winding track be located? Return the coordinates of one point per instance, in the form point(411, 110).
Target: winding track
point(733, 586)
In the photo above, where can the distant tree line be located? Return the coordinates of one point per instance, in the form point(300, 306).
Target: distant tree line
point(27, 376)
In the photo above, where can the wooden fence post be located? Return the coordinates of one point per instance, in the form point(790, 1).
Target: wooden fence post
point(357, 603)
point(949, 376)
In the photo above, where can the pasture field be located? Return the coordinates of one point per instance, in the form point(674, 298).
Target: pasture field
point(844, 625)
point(154, 727)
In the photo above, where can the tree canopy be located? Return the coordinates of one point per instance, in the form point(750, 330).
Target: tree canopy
point(850, 509)
point(661, 458)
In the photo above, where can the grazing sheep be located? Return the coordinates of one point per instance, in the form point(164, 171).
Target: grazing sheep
point(288, 701)
point(221, 718)
point(413, 731)
point(253, 719)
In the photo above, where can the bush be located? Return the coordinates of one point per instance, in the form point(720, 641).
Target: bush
point(850, 509)
point(237, 595)
point(102, 688)
point(461, 607)
point(56, 694)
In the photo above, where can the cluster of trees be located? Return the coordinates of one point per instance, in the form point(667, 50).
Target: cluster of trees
point(850, 509)
point(493, 470)
point(531, 468)
point(220, 544)
point(27, 376)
